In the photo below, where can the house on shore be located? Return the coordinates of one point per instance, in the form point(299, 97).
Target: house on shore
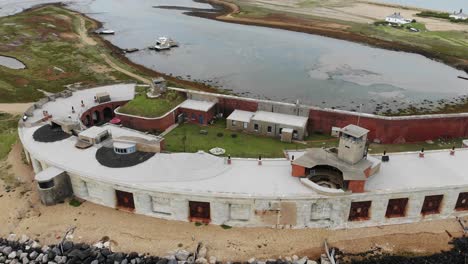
point(288, 127)
point(459, 15)
point(397, 18)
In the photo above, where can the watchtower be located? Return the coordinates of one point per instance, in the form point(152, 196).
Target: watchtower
point(352, 146)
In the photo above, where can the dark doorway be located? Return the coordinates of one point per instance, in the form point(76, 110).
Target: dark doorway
point(432, 204)
point(199, 212)
point(200, 119)
point(87, 121)
point(125, 200)
point(462, 202)
point(360, 211)
point(108, 114)
point(396, 207)
point(96, 117)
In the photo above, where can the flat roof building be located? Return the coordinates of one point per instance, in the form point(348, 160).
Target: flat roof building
point(268, 123)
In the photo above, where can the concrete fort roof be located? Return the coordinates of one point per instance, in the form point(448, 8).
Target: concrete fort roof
point(408, 171)
point(196, 173)
point(61, 108)
point(48, 174)
point(241, 116)
point(93, 132)
point(355, 131)
point(278, 118)
point(203, 106)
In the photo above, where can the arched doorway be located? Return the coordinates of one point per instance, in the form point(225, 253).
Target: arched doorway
point(96, 117)
point(108, 114)
point(87, 121)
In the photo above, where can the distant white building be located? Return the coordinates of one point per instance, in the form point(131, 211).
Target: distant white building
point(397, 19)
point(459, 15)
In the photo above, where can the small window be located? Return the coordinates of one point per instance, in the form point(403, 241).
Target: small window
point(245, 125)
point(269, 129)
point(46, 184)
point(432, 204)
point(462, 202)
point(256, 127)
point(280, 130)
point(396, 208)
point(194, 116)
point(234, 122)
point(359, 211)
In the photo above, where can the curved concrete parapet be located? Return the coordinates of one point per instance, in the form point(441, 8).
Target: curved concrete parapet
point(323, 190)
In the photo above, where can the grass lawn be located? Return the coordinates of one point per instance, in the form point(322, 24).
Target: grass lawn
point(8, 133)
point(244, 145)
point(147, 107)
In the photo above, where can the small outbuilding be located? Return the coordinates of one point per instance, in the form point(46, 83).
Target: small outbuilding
point(269, 124)
point(91, 136)
point(53, 185)
point(459, 15)
point(397, 18)
point(198, 112)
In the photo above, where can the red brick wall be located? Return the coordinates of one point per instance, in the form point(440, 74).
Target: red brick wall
point(356, 186)
point(298, 171)
point(392, 131)
point(228, 105)
point(207, 116)
point(100, 108)
point(153, 124)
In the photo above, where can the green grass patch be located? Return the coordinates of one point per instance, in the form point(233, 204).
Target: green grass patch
point(187, 138)
point(148, 107)
point(434, 14)
point(74, 202)
point(225, 227)
point(8, 133)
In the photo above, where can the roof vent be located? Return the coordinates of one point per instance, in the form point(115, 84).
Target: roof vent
point(385, 157)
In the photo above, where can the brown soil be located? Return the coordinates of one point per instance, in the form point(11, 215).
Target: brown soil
point(129, 232)
point(318, 27)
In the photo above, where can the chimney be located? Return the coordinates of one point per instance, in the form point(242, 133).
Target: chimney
point(292, 159)
point(82, 103)
point(260, 160)
point(452, 151)
point(421, 153)
point(229, 160)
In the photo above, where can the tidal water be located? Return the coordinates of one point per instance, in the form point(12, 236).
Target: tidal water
point(11, 63)
point(271, 63)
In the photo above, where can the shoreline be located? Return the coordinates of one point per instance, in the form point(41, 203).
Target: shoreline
point(226, 10)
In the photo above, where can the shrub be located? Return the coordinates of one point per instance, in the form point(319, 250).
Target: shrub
point(220, 134)
point(233, 135)
point(75, 203)
point(223, 226)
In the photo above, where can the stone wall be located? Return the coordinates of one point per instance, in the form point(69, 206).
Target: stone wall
point(158, 124)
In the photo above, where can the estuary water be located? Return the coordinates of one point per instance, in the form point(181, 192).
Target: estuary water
point(271, 63)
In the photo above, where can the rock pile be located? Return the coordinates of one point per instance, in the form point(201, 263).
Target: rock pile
point(24, 250)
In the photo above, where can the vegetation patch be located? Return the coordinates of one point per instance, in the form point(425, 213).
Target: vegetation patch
point(74, 202)
point(152, 107)
point(47, 41)
point(8, 133)
point(187, 138)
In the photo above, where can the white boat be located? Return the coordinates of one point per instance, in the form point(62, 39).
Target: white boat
point(164, 43)
point(106, 32)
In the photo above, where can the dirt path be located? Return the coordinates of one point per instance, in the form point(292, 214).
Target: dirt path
point(128, 73)
point(130, 232)
point(83, 33)
point(15, 108)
